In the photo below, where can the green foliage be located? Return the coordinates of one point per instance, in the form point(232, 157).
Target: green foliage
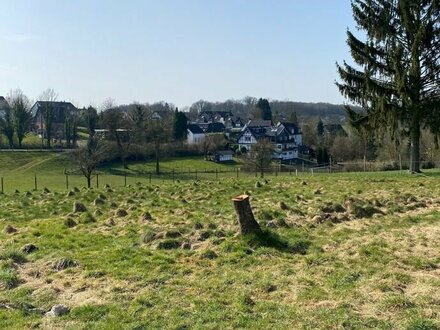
point(395, 79)
point(320, 128)
point(179, 125)
point(263, 110)
point(322, 155)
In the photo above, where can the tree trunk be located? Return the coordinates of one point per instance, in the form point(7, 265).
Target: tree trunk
point(89, 181)
point(245, 215)
point(414, 166)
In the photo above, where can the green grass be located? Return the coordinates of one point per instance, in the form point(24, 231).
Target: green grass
point(20, 168)
point(364, 271)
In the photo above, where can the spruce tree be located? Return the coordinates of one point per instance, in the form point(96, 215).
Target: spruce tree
point(396, 79)
point(263, 110)
point(179, 125)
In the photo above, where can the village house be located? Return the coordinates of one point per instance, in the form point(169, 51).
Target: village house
point(225, 118)
point(61, 110)
point(195, 134)
point(285, 137)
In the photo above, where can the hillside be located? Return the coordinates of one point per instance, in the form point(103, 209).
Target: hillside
point(340, 251)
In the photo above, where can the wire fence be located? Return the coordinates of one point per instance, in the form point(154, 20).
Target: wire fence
point(118, 178)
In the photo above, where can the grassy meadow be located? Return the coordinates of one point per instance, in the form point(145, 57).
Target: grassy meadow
point(340, 251)
point(18, 170)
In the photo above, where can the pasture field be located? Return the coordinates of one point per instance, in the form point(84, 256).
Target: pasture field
point(18, 170)
point(340, 251)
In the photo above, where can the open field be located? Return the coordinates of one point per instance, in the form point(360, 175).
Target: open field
point(19, 169)
point(344, 251)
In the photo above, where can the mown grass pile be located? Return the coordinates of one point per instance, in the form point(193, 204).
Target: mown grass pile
point(340, 251)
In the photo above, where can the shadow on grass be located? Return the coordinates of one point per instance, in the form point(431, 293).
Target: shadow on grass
point(270, 239)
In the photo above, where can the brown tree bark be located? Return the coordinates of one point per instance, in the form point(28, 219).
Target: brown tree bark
point(245, 215)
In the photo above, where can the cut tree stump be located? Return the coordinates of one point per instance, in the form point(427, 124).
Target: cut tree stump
point(245, 215)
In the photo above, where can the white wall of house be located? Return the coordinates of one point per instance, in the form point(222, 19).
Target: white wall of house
point(246, 140)
point(224, 158)
point(298, 139)
point(194, 138)
point(286, 154)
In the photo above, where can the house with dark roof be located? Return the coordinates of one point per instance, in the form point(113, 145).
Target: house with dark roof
point(61, 111)
point(285, 137)
point(215, 128)
point(195, 134)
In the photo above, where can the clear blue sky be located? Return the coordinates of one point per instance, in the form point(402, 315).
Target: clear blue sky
point(174, 50)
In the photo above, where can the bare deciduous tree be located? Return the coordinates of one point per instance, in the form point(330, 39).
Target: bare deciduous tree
point(21, 116)
point(89, 157)
point(48, 113)
point(7, 125)
point(260, 156)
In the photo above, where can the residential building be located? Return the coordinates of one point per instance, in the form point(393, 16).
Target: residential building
point(195, 134)
point(286, 138)
point(61, 110)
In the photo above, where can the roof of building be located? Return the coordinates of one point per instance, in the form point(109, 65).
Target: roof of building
point(3, 106)
point(291, 127)
point(215, 128)
point(224, 152)
point(195, 129)
point(54, 104)
point(3, 103)
point(259, 123)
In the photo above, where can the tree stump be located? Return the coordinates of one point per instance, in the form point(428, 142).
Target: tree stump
point(245, 215)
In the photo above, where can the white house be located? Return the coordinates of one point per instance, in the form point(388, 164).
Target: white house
point(286, 138)
point(247, 139)
point(195, 134)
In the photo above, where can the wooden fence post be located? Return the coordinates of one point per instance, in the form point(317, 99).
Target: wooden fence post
point(237, 172)
point(67, 181)
point(35, 182)
point(2, 186)
point(125, 179)
point(150, 177)
point(97, 180)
